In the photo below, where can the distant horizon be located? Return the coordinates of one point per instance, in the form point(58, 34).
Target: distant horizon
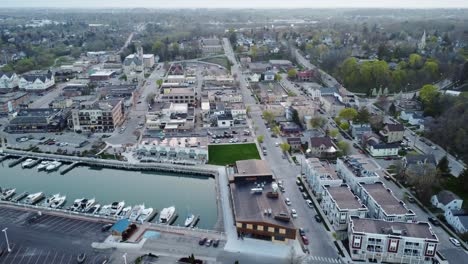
point(240, 4)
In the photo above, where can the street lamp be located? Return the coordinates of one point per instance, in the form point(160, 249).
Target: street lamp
point(6, 238)
point(125, 257)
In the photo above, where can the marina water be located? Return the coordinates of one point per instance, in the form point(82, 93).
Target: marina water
point(188, 193)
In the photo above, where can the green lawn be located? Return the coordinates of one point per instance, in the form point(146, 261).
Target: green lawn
point(229, 154)
point(223, 61)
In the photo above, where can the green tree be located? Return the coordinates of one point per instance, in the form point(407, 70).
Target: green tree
point(333, 133)
point(159, 82)
point(276, 130)
point(348, 113)
point(415, 61)
point(260, 138)
point(268, 116)
point(295, 117)
point(232, 36)
point(150, 98)
point(362, 116)
point(292, 73)
point(431, 69)
point(392, 109)
point(254, 51)
point(443, 165)
point(278, 77)
point(317, 122)
point(344, 126)
point(285, 147)
point(428, 93)
point(344, 147)
point(158, 48)
point(337, 120)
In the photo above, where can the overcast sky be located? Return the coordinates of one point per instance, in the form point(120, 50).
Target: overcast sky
point(238, 3)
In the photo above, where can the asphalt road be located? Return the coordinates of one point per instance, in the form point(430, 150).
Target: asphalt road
point(320, 243)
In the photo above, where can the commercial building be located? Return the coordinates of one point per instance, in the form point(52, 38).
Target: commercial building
point(10, 102)
point(339, 204)
point(102, 75)
point(319, 174)
point(391, 242)
point(356, 169)
point(97, 116)
point(38, 120)
point(8, 81)
point(171, 117)
point(383, 204)
point(179, 95)
point(258, 207)
point(180, 150)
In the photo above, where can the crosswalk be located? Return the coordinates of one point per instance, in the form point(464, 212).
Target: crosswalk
point(318, 259)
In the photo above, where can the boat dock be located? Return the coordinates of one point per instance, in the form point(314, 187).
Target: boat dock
point(195, 222)
point(19, 197)
point(16, 162)
point(33, 164)
point(2, 158)
point(69, 167)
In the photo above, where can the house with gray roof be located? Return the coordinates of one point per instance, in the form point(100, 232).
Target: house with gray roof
point(446, 200)
point(419, 159)
point(36, 81)
point(458, 219)
point(8, 81)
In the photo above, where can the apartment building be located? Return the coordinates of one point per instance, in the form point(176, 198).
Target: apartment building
point(391, 242)
point(383, 204)
point(356, 169)
point(97, 116)
point(318, 174)
point(339, 203)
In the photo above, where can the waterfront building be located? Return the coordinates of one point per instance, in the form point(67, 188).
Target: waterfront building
point(38, 120)
point(97, 116)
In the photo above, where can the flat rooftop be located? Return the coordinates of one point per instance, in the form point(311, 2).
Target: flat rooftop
point(361, 166)
point(250, 206)
point(419, 230)
point(253, 167)
point(385, 198)
point(181, 91)
point(323, 169)
point(344, 198)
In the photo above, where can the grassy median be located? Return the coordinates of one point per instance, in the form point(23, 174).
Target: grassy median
point(230, 153)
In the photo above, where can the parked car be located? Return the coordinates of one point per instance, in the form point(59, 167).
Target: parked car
point(293, 213)
point(216, 243)
point(309, 203)
point(202, 241)
point(106, 227)
point(434, 221)
point(411, 199)
point(455, 241)
point(305, 240)
point(318, 218)
point(287, 201)
point(301, 232)
point(208, 242)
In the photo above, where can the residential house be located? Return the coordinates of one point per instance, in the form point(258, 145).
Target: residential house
point(458, 219)
point(269, 76)
point(393, 133)
point(419, 159)
point(391, 242)
point(285, 64)
point(36, 81)
point(295, 143)
point(290, 128)
point(413, 117)
point(8, 81)
point(322, 147)
point(305, 76)
point(339, 204)
point(447, 200)
point(357, 130)
point(376, 148)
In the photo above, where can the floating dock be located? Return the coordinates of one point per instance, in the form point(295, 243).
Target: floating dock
point(33, 164)
point(16, 162)
point(19, 197)
point(2, 158)
point(195, 222)
point(69, 167)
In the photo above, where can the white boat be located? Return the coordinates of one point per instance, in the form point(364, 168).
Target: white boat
point(34, 198)
point(76, 204)
point(53, 165)
point(167, 215)
point(94, 209)
point(136, 211)
point(189, 220)
point(125, 212)
point(8, 193)
point(105, 210)
point(43, 165)
point(86, 204)
point(49, 200)
point(27, 163)
point(145, 214)
point(116, 207)
point(58, 202)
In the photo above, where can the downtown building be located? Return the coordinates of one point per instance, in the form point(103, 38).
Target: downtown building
point(97, 116)
point(376, 240)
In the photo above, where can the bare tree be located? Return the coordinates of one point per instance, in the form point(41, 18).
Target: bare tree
point(423, 177)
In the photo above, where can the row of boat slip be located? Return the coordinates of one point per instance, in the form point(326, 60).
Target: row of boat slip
point(47, 165)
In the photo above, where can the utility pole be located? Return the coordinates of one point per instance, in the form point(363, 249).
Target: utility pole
point(6, 238)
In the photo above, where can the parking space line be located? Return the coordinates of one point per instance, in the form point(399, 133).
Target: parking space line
point(53, 260)
point(25, 253)
point(86, 225)
point(17, 251)
point(32, 255)
point(71, 256)
point(47, 256)
point(67, 225)
point(76, 227)
point(53, 220)
point(61, 260)
point(39, 257)
point(42, 219)
point(66, 222)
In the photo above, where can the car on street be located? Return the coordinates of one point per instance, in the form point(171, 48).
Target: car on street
point(202, 241)
point(293, 213)
point(309, 203)
point(216, 243)
point(305, 240)
point(411, 199)
point(106, 227)
point(287, 201)
point(208, 242)
point(301, 232)
point(318, 218)
point(301, 188)
point(434, 221)
point(455, 241)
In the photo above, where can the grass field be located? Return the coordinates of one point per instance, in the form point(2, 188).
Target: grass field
point(223, 61)
point(229, 154)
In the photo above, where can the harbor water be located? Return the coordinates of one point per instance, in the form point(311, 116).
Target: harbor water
point(188, 193)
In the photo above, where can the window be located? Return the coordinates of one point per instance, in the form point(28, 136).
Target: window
point(271, 229)
point(430, 249)
point(249, 226)
point(357, 242)
point(282, 231)
point(393, 245)
point(260, 227)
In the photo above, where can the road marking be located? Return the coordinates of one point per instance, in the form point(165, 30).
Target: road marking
point(65, 223)
point(54, 257)
point(71, 256)
point(25, 253)
point(66, 227)
point(17, 251)
point(39, 257)
point(32, 255)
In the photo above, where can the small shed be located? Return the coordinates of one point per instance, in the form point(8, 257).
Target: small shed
point(120, 227)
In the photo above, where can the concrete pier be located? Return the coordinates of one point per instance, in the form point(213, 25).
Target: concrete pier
point(16, 162)
point(69, 168)
point(2, 158)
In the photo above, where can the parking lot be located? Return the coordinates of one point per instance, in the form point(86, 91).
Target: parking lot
point(66, 238)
